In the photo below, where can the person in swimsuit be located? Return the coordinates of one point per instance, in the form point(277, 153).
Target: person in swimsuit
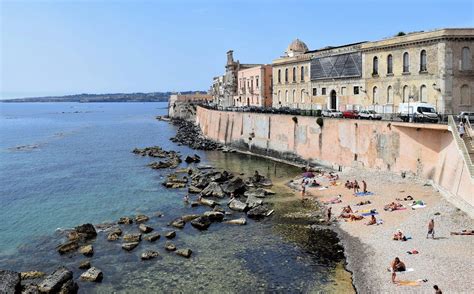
point(431, 230)
point(397, 266)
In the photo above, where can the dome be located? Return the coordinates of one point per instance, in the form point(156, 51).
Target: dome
point(296, 46)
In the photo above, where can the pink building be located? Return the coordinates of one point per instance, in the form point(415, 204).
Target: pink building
point(254, 86)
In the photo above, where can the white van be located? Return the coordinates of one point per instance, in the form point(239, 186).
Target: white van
point(417, 112)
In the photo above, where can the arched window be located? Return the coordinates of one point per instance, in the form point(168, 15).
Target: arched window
point(286, 96)
point(423, 93)
point(302, 96)
point(406, 62)
point(293, 98)
point(465, 95)
point(466, 59)
point(294, 74)
point(375, 66)
point(279, 76)
point(286, 75)
point(279, 96)
point(406, 94)
point(375, 98)
point(389, 64)
point(389, 95)
point(423, 60)
point(302, 73)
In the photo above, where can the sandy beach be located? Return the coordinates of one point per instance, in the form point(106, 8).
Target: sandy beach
point(445, 261)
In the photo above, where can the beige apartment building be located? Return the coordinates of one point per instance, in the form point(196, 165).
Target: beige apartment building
point(254, 86)
point(434, 67)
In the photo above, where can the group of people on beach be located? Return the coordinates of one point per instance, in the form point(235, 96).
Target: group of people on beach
point(355, 185)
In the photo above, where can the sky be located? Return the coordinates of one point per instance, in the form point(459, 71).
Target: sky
point(68, 47)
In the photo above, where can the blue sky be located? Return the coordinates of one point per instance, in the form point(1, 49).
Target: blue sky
point(66, 47)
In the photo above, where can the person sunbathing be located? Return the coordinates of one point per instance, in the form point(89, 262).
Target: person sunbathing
point(373, 221)
point(363, 203)
point(346, 212)
point(392, 206)
point(408, 198)
point(334, 200)
point(398, 236)
point(464, 233)
point(356, 217)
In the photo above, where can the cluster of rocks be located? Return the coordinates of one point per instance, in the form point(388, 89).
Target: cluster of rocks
point(190, 134)
point(172, 158)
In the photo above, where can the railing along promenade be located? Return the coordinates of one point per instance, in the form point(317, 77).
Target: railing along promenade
point(461, 144)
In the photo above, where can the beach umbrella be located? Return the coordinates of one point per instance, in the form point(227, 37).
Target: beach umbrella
point(308, 175)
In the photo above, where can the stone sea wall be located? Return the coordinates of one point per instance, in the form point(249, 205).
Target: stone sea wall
point(426, 151)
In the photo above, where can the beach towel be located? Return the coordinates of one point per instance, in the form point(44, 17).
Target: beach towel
point(418, 206)
point(408, 283)
point(359, 194)
point(369, 213)
point(322, 188)
point(408, 270)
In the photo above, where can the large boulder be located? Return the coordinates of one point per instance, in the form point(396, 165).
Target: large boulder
point(235, 185)
point(170, 246)
point(189, 217)
point(10, 282)
point(213, 190)
point(70, 287)
point(236, 205)
point(214, 216)
point(92, 275)
point(125, 221)
point(259, 193)
point(68, 247)
point(145, 229)
point(87, 250)
point(208, 202)
point(132, 237)
point(129, 246)
point(178, 223)
point(85, 264)
point(184, 252)
point(258, 212)
point(221, 177)
point(194, 190)
point(152, 237)
point(201, 223)
point(31, 275)
point(141, 218)
point(86, 231)
point(170, 235)
point(114, 233)
point(149, 254)
point(53, 282)
point(253, 201)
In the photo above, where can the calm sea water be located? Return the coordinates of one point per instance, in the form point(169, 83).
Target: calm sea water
point(68, 163)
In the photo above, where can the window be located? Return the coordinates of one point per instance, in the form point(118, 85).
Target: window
point(279, 76)
point(375, 66)
point(406, 62)
point(294, 74)
point(375, 98)
point(302, 73)
point(465, 95)
point(286, 75)
point(286, 96)
point(315, 91)
point(389, 64)
point(293, 98)
point(406, 94)
point(356, 90)
point(389, 95)
point(423, 94)
point(256, 82)
point(279, 96)
point(466, 59)
point(323, 91)
point(423, 60)
point(302, 96)
point(343, 91)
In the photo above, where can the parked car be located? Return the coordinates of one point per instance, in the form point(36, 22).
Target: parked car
point(331, 113)
point(369, 114)
point(350, 114)
point(418, 111)
point(466, 115)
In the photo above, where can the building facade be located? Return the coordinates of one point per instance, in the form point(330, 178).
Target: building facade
point(217, 89)
point(434, 67)
point(254, 87)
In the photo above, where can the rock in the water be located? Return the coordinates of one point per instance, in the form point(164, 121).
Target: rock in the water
point(189, 217)
point(132, 237)
point(141, 218)
point(9, 282)
point(70, 287)
point(194, 190)
point(213, 190)
point(178, 223)
point(129, 246)
point(114, 234)
point(238, 221)
point(191, 159)
point(214, 216)
point(145, 229)
point(184, 252)
point(236, 205)
point(92, 275)
point(152, 237)
point(149, 254)
point(53, 282)
point(68, 247)
point(125, 221)
point(258, 212)
point(218, 209)
point(201, 223)
point(28, 289)
point(86, 231)
point(195, 204)
point(208, 202)
point(259, 193)
point(253, 201)
point(31, 275)
point(170, 246)
point(85, 264)
point(235, 185)
point(87, 250)
point(112, 237)
point(170, 235)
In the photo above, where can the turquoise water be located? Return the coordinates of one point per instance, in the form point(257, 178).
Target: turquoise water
point(69, 163)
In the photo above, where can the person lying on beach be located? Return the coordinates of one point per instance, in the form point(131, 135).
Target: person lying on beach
point(373, 221)
point(464, 233)
point(392, 206)
point(363, 203)
point(396, 266)
point(356, 217)
point(334, 200)
point(347, 209)
point(398, 236)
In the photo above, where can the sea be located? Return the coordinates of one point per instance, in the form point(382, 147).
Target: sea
point(65, 164)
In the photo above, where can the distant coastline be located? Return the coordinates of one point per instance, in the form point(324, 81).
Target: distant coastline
point(115, 97)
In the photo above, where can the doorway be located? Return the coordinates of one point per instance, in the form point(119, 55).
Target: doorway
point(333, 101)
